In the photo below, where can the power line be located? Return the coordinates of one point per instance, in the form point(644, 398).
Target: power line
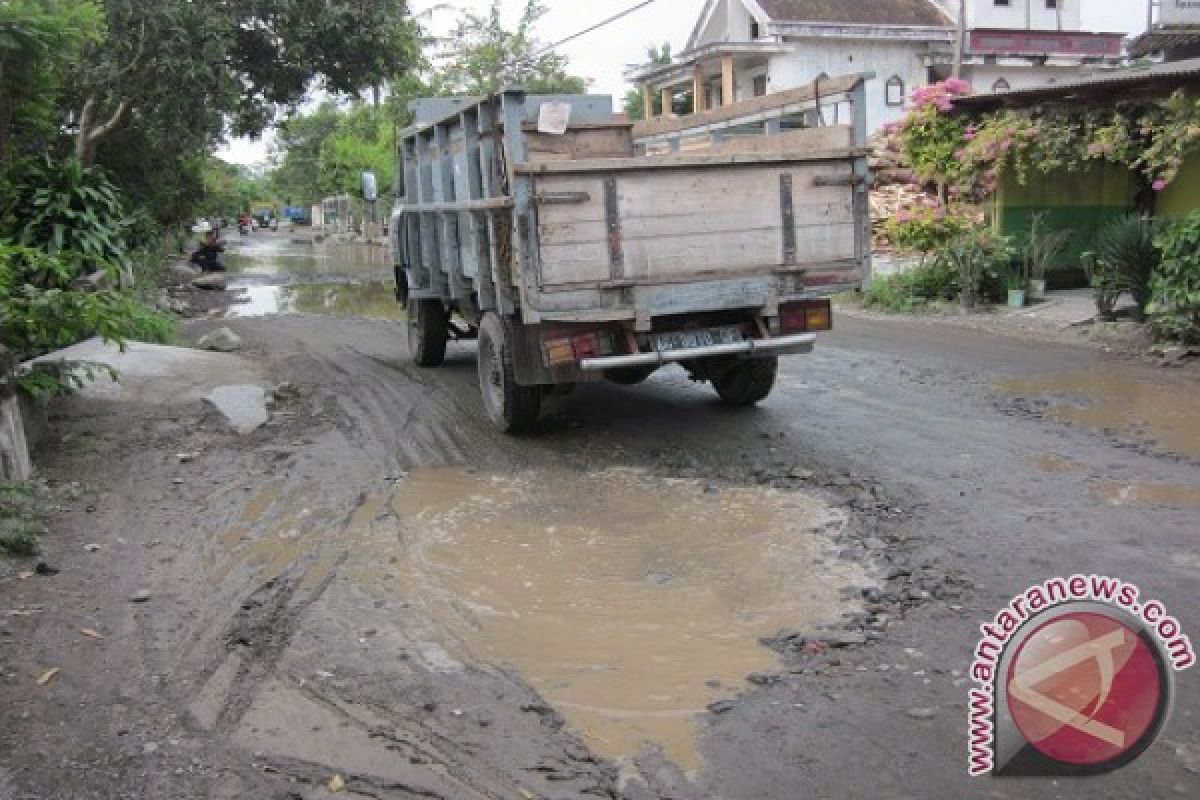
point(595, 27)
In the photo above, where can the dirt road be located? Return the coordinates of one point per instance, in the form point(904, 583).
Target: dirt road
point(376, 595)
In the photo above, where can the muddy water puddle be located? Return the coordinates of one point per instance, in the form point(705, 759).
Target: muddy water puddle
point(1129, 402)
point(1146, 495)
point(373, 300)
point(273, 254)
point(623, 599)
point(628, 601)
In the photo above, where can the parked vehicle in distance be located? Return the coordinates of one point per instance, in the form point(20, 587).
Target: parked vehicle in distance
point(571, 259)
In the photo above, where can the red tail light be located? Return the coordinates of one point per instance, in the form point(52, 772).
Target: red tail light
point(561, 348)
point(809, 316)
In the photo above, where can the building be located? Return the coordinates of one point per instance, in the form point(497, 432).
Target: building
point(1175, 35)
point(1019, 44)
point(740, 49)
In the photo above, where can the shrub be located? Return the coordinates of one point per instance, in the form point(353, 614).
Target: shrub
point(1105, 281)
point(1176, 286)
point(1128, 246)
point(71, 212)
point(908, 291)
point(41, 313)
point(927, 229)
point(979, 260)
point(1042, 247)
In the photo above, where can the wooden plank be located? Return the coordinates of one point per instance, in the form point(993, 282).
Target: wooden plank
point(643, 164)
point(679, 223)
point(756, 105)
point(833, 137)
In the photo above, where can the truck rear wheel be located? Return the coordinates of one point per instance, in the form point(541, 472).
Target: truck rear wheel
point(747, 382)
point(511, 407)
point(427, 332)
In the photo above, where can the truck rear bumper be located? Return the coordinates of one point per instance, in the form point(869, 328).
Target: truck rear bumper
point(797, 344)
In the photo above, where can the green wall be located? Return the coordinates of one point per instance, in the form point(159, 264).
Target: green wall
point(1082, 202)
point(1182, 197)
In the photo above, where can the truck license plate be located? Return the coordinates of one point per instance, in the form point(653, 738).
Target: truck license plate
point(687, 340)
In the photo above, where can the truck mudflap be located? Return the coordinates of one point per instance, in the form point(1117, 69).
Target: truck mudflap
point(795, 344)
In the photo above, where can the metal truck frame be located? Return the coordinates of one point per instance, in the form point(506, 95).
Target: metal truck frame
point(571, 259)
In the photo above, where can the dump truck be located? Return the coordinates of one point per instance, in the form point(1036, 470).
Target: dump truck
point(575, 246)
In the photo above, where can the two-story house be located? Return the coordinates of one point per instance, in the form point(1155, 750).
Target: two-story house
point(741, 49)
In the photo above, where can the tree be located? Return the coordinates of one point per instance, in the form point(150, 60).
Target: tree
point(634, 103)
point(483, 57)
point(40, 40)
point(185, 69)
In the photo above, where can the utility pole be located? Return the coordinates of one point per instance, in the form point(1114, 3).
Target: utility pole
point(960, 39)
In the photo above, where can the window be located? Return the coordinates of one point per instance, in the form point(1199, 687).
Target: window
point(760, 85)
point(1001, 85)
point(1052, 4)
point(895, 91)
point(755, 31)
point(1003, 3)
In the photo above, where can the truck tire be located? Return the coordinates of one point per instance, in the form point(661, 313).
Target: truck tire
point(427, 332)
point(747, 382)
point(511, 407)
point(630, 376)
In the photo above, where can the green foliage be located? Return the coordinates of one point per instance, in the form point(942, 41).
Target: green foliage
point(40, 40)
point(1152, 138)
point(42, 312)
point(1042, 248)
point(1105, 280)
point(1177, 283)
point(20, 520)
point(926, 229)
point(1127, 245)
point(979, 260)
point(486, 57)
point(70, 212)
point(325, 153)
point(915, 289)
point(634, 102)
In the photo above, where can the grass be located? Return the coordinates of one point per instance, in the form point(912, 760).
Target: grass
point(914, 290)
point(20, 520)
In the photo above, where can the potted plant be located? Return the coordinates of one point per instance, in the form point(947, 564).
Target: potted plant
point(974, 257)
point(1042, 249)
point(1105, 281)
point(1127, 245)
point(1014, 281)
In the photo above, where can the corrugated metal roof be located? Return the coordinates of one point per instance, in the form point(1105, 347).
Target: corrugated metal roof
point(1157, 41)
point(917, 13)
point(1169, 76)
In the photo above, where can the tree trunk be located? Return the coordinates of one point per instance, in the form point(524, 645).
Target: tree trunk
point(15, 465)
point(90, 134)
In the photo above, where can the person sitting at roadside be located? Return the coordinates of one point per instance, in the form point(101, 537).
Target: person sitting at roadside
point(208, 255)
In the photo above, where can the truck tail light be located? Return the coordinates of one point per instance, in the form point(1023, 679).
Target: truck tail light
point(561, 351)
point(809, 316)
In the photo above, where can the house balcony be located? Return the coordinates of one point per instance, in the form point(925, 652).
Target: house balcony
point(715, 75)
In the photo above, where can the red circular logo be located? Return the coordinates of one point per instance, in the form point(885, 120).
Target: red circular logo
point(1085, 689)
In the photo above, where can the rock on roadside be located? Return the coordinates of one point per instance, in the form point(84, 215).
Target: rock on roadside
point(213, 281)
point(222, 340)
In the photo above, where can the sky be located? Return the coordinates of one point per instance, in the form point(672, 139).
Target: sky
point(602, 56)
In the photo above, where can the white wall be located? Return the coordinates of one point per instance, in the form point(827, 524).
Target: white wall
point(836, 57)
point(1025, 14)
point(1026, 76)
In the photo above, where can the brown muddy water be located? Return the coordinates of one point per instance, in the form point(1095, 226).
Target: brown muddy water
point(1132, 403)
point(630, 602)
point(1145, 495)
point(277, 274)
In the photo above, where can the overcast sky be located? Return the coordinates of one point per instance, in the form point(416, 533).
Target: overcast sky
point(603, 55)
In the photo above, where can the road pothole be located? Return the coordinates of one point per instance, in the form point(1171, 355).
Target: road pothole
point(630, 602)
point(1119, 400)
